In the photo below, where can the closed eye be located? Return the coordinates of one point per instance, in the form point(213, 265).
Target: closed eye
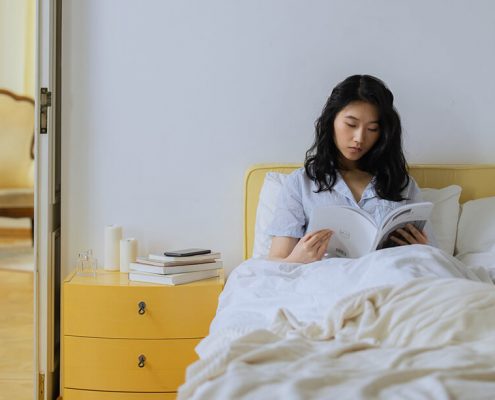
point(373, 129)
point(352, 126)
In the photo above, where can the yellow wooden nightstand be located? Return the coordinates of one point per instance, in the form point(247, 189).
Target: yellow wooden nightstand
point(129, 340)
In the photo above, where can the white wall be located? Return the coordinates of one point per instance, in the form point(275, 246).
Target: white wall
point(166, 103)
point(17, 20)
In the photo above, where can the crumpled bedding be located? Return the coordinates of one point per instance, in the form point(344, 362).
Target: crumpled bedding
point(408, 322)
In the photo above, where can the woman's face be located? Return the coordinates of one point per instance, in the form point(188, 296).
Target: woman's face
point(356, 130)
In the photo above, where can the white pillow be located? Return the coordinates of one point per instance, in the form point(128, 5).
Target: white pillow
point(484, 259)
point(264, 213)
point(445, 214)
point(476, 229)
point(444, 218)
point(479, 262)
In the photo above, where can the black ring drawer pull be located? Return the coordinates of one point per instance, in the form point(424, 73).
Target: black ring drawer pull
point(141, 360)
point(142, 307)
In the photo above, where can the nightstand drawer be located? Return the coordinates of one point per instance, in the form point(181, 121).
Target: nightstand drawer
point(139, 311)
point(113, 364)
point(72, 394)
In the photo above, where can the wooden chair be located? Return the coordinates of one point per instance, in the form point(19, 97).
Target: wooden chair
point(16, 156)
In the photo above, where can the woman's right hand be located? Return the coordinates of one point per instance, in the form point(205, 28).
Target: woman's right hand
point(311, 247)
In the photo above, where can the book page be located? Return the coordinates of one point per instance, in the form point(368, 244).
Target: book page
point(354, 233)
point(416, 214)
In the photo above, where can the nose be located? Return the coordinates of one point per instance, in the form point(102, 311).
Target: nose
point(359, 136)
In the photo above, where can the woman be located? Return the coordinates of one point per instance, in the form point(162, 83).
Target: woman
point(356, 160)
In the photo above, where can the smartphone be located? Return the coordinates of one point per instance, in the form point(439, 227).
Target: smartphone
point(186, 252)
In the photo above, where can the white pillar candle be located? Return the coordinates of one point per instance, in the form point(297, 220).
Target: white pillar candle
point(128, 253)
point(113, 234)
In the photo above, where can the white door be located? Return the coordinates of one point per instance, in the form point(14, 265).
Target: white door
point(47, 201)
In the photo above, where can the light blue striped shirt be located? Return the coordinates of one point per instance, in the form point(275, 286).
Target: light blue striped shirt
point(297, 199)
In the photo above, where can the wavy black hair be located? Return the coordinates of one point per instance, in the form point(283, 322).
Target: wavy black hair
point(385, 160)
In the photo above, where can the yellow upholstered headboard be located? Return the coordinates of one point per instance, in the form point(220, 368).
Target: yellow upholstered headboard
point(476, 181)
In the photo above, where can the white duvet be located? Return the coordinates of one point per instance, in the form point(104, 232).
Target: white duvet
point(408, 322)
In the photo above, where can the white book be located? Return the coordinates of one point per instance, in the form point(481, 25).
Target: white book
point(149, 261)
point(166, 270)
point(355, 231)
point(188, 259)
point(173, 279)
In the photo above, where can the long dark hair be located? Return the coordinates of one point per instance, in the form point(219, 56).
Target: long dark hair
point(385, 160)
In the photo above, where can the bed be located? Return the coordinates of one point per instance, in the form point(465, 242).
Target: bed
point(407, 322)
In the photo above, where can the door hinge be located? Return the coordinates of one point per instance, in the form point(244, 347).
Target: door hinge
point(41, 386)
point(45, 102)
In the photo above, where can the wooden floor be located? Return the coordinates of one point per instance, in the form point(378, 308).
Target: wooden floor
point(16, 332)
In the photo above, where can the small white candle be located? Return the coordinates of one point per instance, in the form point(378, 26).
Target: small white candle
point(113, 234)
point(128, 253)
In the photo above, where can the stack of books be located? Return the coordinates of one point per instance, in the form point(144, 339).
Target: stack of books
point(168, 270)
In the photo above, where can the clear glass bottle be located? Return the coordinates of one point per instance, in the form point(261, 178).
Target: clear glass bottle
point(86, 264)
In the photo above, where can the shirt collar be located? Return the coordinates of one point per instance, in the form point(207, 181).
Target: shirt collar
point(342, 188)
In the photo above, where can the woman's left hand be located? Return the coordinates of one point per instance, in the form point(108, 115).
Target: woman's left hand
point(409, 236)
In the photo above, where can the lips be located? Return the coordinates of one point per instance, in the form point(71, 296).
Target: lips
point(355, 149)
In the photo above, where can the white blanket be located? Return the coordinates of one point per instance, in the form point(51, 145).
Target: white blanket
point(409, 322)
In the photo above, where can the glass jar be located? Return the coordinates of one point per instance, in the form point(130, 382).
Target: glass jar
point(86, 264)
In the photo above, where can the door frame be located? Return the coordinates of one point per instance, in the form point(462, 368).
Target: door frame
point(47, 201)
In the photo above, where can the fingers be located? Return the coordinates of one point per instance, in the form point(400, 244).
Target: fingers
point(410, 236)
point(313, 246)
point(314, 239)
point(398, 241)
point(407, 236)
point(309, 235)
point(419, 237)
point(322, 249)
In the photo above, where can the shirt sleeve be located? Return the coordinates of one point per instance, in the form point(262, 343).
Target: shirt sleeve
point(414, 196)
point(289, 218)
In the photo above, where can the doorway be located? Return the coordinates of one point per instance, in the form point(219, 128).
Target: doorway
point(17, 77)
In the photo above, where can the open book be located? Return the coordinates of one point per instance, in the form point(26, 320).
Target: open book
point(355, 231)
